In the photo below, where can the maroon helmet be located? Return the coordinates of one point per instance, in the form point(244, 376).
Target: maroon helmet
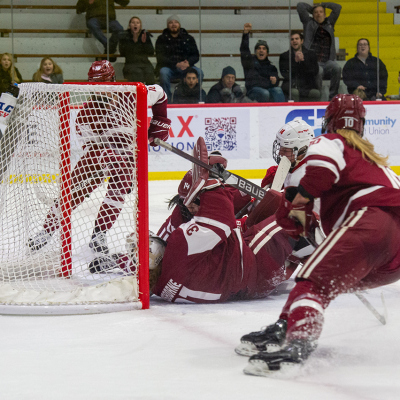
point(185, 185)
point(345, 111)
point(101, 71)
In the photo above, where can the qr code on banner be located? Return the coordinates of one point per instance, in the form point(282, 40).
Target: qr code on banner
point(220, 133)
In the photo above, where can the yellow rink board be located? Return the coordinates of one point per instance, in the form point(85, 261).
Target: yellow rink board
point(153, 176)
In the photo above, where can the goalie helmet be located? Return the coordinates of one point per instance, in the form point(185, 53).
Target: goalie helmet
point(295, 135)
point(345, 111)
point(156, 250)
point(101, 71)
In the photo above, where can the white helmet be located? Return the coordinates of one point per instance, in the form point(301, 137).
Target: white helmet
point(156, 249)
point(294, 135)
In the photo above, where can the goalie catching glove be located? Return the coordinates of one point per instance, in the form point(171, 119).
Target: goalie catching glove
point(296, 220)
point(159, 128)
point(201, 179)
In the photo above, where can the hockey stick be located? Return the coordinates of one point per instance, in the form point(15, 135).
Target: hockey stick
point(281, 174)
point(228, 177)
point(381, 318)
point(279, 179)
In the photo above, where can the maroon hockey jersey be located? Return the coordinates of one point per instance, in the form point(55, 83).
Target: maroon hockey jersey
point(209, 260)
point(344, 181)
point(107, 121)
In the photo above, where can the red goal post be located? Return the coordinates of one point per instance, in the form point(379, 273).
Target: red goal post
point(57, 201)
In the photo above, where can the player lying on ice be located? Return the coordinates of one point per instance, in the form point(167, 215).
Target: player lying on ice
point(360, 201)
point(207, 258)
point(107, 153)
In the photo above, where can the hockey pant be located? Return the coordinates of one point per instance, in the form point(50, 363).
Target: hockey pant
point(88, 175)
point(362, 253)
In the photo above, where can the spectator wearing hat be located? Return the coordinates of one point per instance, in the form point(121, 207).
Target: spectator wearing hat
point(261, 77)
point(226, 90)
point(188, 90)
point(176, 51)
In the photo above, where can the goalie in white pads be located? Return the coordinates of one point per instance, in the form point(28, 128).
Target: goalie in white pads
point(107, 153)
point(360, 203)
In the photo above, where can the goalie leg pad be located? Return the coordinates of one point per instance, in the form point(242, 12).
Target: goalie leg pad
point(267, 207)
point(200, 176)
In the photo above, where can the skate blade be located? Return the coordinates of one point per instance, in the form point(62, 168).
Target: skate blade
point(260, 368)
point(248, 349)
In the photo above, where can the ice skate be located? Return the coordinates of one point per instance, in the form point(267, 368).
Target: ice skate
point(104, 264)
point(290, 355)
point(98, 242)
point(269, 339)
point(40, 240)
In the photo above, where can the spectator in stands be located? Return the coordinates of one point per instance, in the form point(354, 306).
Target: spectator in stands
point(226, 90)
point(48, 72)
point(8, 73)
point(361, 72)
point(96, 21)
point(136, 46)
point(395, 96)
point(319, 37)
point(188, 90)
point(176, 51)
point(261, 77)
point(304, 70)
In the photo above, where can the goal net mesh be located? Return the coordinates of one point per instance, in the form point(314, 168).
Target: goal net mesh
point(69, 196)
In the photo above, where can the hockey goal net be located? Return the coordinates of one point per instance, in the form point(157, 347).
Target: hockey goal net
point(73, 175)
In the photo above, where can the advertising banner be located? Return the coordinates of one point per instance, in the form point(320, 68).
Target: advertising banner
point(245, 135)
point(223, 129)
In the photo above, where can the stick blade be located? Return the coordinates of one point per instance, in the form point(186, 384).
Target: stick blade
point(281, 174)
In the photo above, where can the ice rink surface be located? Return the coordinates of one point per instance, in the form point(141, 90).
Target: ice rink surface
point(187, 351)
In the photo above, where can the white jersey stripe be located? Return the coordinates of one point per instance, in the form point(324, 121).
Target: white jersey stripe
point(266, 239)
point(325, 164)
point(329, 243)
point(262, 232)
point(307, 303)
point(393, 178)
point(239, 236)
point(213, 222)
point(355, 196)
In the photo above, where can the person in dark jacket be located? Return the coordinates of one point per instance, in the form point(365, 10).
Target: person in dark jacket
point(360, 72)
point(319, 36)
point(188, 90)
point(176, 51)
point(135, 45)
point(261, 77)
point(48, 72)
point(96, 20)
point(304, 71)
point(8, 73)
point(226, 90)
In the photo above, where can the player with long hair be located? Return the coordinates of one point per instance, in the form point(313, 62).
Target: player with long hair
point(360, 215)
